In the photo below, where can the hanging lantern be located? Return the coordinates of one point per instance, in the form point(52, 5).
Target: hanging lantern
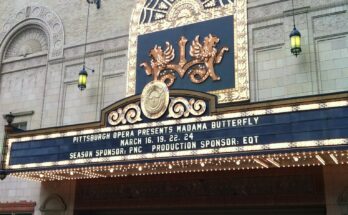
point(295, 36)
point(295, 39)
point(83, 73)
point(9, 118)
point(82, 79)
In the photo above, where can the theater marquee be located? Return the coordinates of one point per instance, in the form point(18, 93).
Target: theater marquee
point(192, 132)
point(188, 66)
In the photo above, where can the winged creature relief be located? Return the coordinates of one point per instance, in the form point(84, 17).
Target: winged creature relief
point(199, 68)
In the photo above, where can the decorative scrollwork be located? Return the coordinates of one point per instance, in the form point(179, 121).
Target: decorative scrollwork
point(201, 67)
point(181, 107)
point(152, 16)
point(129, 114)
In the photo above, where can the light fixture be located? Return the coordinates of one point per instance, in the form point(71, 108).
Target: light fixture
point(82, 82)
point(9, 118)
point(2, 175)
point(320, 159)
point(96, 2)
point(295, 36)
point(82, 78)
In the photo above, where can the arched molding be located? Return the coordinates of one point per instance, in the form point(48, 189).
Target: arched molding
point(30, 37)
point(35, 15)
point(54, 203)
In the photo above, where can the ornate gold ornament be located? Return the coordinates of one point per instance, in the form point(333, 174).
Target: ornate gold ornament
point(200, 67)
point(181, 107)
point(129, 114)
point(154, 99)
point(147, 18)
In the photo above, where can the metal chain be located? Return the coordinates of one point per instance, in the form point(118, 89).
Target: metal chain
point(86, 36)
point(293, 12)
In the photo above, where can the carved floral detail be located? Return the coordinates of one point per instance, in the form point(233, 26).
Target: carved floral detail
point(181, 107)
point(28, 42)
point(129, 114)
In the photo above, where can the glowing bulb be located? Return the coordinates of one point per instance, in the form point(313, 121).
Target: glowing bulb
point(202, 164)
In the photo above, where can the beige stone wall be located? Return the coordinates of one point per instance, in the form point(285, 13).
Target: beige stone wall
point(16, 190)
point(110, 22)
point(321, 68)
point(48, 87)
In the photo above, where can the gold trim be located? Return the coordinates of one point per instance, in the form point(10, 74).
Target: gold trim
point(182, 107)
point(238, 9)
point(162, 67)
point(129, 114)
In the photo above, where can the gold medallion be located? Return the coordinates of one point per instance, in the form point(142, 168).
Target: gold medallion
point(154, 99)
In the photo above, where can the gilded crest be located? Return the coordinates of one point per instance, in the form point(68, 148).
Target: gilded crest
point(154, 99)
point(199, 68)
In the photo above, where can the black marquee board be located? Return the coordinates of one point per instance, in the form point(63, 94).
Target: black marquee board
point(229, 136)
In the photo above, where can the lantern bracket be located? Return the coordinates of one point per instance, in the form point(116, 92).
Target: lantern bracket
point(89, 69)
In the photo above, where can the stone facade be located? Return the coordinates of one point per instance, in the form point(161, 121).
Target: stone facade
point(42, 47)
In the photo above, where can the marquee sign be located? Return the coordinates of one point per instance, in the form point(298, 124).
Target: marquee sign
point(190, 128)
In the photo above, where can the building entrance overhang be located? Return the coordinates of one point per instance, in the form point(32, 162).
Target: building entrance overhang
point(192, 134)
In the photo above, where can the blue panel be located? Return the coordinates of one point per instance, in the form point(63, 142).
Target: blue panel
point(222, 28)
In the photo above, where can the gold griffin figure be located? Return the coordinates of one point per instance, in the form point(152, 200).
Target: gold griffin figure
point(200, 67)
